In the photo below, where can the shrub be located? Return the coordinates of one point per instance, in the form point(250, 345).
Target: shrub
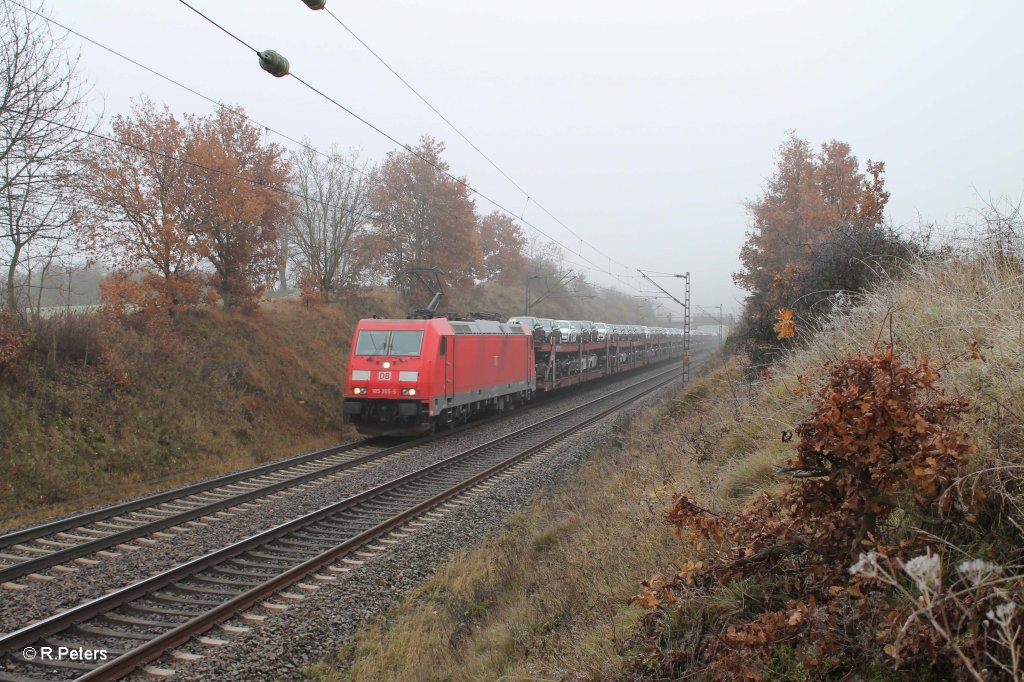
point(877, 448)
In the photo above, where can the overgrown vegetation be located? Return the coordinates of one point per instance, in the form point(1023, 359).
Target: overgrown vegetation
point(887, 540)
point(98, 403)
point(817, 237)
point(879, 441)
point(931, 533)
point(549, 595)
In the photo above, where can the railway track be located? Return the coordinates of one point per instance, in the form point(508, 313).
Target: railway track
point(28, 551)
point(138, 623)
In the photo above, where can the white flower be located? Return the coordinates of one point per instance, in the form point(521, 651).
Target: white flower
point(866, 566)
point(1003, 613)
point(925, 570)
point(979, 570)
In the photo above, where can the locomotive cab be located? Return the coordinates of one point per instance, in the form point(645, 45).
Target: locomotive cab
point(407, 376)
point(391, 370)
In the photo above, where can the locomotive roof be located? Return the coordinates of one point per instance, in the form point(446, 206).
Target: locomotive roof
point(446, 326)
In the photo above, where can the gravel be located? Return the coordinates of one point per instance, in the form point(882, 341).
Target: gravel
point(316, 627)
point(320, 623)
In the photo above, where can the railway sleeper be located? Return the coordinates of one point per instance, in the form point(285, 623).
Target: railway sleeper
point(263, 565)
point(303, 544)
point(92, 631)
point(53, 543)
point(330, 539)
point(285, 560)
point(295, 551)
point(198, 589)
point(354, 525)
point(234, 571)
point(129, 620)
point(213, 580)
point(404, 497)
point(170, 598)
point(144, 608)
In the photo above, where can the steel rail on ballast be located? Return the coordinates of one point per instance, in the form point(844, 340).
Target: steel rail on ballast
point(70, 522)
point(181, 633)
point(32, 565)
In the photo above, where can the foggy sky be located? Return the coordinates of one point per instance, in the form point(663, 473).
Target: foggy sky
point(642, 126)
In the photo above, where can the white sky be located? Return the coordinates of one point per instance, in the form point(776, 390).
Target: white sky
point(643, 126)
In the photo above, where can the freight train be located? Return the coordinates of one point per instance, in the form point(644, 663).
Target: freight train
point(406, 377)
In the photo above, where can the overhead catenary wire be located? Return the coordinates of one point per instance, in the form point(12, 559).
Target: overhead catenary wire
point(208, 169)
point(407, 148)
point(222, 105)
point(197, 93)
point(426, 102)
point(459, 132)
point(194, 164)
point(184, 87)
point(219, 26)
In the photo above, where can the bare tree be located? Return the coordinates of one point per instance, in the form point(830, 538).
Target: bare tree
point(333, 210)
point(43, 127)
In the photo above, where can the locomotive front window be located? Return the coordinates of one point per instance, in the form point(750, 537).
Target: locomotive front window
point(372, 342)
point(406, 343)
point(384, 342)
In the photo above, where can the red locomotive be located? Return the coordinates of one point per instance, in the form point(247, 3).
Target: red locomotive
point(408, 376)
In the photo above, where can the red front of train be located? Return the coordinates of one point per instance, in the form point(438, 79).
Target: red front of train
point(407, 376)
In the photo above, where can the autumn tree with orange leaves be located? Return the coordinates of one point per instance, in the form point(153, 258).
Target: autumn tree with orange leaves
point(422, 217)
point(817, 233)
point(187, 209)
point(139, 211)
point(502, 244)
point(235, 207)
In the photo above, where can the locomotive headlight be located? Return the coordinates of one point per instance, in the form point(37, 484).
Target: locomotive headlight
point(386, 365)
point(408, 391)
point(358, 390)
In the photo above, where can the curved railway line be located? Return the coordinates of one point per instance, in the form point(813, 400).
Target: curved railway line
point(139, 623)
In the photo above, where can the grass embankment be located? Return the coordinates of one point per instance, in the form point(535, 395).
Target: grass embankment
point(103, 408)
point(549, 594)
point(118, 404)
point(548, 597)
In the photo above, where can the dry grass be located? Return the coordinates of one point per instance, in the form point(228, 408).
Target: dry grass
point(939, 312)
point(547, 598)
point(213, 393)
point(550, 593)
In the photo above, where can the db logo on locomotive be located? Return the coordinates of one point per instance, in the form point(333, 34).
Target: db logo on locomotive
point(383, 376)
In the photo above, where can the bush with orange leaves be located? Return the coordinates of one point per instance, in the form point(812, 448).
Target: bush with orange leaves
point(785, 327)
point(879, 447)
point(151, 294)
point(311, 288)
point(12, 342)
